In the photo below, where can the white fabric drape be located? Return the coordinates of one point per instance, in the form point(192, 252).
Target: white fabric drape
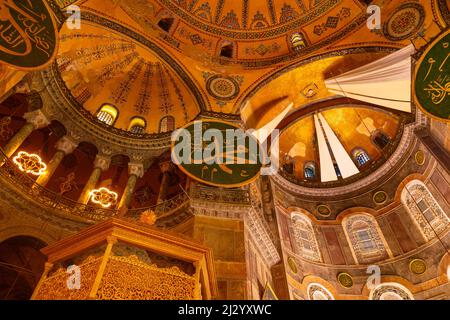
point(385, 82)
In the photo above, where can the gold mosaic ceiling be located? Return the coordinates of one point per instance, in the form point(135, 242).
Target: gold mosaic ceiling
point(100, 67)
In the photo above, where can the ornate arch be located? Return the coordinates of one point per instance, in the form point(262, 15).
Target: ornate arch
point(390, 291)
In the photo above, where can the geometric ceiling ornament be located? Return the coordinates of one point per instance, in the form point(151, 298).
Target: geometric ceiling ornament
point(29, 38)
point(222, 87)
point(405, 22)
point(432, 79)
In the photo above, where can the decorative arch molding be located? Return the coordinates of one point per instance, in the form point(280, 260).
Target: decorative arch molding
point(26, 231)
point(312, 282)
point(365, 238)
point(390, 291)
point(316, 291)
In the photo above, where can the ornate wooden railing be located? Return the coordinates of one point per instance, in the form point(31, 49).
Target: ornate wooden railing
point(66, 206)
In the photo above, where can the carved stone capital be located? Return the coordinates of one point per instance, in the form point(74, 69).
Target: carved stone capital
point(66, 145)
point(102, 162)
point(37, 118)
point(136, 169)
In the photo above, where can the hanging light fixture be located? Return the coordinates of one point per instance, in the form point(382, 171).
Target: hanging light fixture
point(104, 197)
point(30, 163)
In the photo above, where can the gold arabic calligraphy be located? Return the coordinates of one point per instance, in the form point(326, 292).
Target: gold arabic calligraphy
point(19, 34)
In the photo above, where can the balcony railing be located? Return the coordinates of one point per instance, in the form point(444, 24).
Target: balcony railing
point(66, 206)
point(232, 196)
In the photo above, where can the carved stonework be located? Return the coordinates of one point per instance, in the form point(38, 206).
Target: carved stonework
point(102, 162)
point(37, 118)
point(136, 169)
point(66, 145)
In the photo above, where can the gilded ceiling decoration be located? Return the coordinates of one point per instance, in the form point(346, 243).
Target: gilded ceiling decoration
point(100, 67)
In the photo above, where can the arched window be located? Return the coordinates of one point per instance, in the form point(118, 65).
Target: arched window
point(365, 238)
point(137, 125)
point(298, 41)
point(167, 124)
point(317, 291)
point(310, 171)
point(390, 291)
point(424, 209)
point(227, 49)
point(107, 114)
point(361, 157)
point(380, 139)
point(166, 23)
point(305, 238)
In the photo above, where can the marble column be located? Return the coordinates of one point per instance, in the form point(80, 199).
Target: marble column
point(64, 147)
point(101, 164)
point(135, 171)
point(166, 168)
point(35, 120)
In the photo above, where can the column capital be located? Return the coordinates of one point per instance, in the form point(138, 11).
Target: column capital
point(102, 162)
point(66, 145)
point(37, 118)
point(136, 169)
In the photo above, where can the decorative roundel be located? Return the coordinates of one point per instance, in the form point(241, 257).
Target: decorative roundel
point(345, 280)
point(420, 158)
point(222, 88)
point(324, 210)
point(405, 22)
point(418, 266)
point(380, 197)
point(292, 265)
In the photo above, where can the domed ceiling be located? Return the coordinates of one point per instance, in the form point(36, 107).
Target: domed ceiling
point(100, 67)
point(355, 128)
point(255, 30)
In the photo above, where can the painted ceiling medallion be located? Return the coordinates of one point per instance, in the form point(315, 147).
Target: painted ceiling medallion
point(420, 157)
point(345, 280)
point(418, 266)
point(104, 197)
point(380, 197)
point(222, 88)
point(30, 163)
point(406, 21)
point(324, 210)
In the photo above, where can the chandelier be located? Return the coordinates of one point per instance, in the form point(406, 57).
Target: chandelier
point(104, 197)
point(30, 163)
